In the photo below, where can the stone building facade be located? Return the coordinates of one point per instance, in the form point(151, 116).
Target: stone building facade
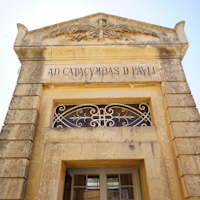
point(101, 110)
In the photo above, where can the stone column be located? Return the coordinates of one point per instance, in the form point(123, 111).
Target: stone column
point(16, 140)
point(184, 122)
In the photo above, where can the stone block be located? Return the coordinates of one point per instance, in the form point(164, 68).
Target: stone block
point(25, 103)
point(15, 149)
point(189, 164)
point(48, 190)
point(28, 90)
point(51, 170)
point(17, 132)
point(102, 135)
point(179, 100)
point(38, 152)
point(172, 70)
point(21, 117)
point(175, 87)
point(183, 114)
point(158, 189)
point(185, 146)
point(35, 171)
point(34, 53)
point(139, 134)
point(100, 151)
point(193, 198)
point(32, 190)
point(64, 135)
point(185, 129)
point(192, 186)
point(14, 168)
point(31, 72)
point(12, 189)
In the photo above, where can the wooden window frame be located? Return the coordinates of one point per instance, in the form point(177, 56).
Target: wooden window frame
point(102, 172)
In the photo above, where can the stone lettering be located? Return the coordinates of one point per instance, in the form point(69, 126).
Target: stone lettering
point(116, 69)
point(77, 71)
point(50, 72)
point(64, 71)
point(70, 71)
point(143, 70)
point(148, 71)
point(153, 70)
point(99, 71)
point(91, 71)
point(139, 71)
point(86, 73)
point(110, 71)
point(57, 71)
point(125, 70)
point(104, 70)
point(81, 71)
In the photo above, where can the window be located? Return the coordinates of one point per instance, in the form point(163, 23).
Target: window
point(103, 184)
point(101, 115)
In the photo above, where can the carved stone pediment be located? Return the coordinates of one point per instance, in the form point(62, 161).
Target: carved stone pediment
point(100, 29)
point(112, 31)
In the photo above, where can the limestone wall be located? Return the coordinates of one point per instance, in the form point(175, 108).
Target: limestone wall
point(137, 67)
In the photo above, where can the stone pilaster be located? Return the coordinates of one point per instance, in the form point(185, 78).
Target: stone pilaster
point(184, 120)
point(16, 140)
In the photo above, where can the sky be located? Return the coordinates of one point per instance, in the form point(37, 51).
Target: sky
point(36, 14)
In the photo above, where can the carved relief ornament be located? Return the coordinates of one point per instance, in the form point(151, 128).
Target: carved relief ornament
point(80, 32)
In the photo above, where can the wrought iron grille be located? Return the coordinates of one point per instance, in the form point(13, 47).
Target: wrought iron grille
point(91, 115)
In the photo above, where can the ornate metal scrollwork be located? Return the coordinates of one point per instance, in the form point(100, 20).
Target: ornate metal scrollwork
point(91, 115)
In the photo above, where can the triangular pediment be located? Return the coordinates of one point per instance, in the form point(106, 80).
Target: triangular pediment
point(96, 29)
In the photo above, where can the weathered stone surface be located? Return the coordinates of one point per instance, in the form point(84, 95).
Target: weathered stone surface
point(14, 168)
point(25, 103)
point(189, 164)
point(175, 87)
point(34, 53)
point(169, 70)
point(185, 129)
point(124, 150)
point(51, 170)
point(192, 185)
point(110, 134)
point(32, 190)
point(193, 198)
point(21, 117)
point(48, 190)
point(17, 132)
point(15, 149)
point(160, 185)
point(187, 146)
point(31, 72)
point(179, 100)
point(144, 60)
point(28, 90)
point(172, 70)
point(183, 114)
point(12, 189)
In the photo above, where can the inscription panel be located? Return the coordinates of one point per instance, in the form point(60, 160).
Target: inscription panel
point(92, 71)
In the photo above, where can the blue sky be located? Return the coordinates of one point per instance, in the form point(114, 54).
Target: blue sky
point(35, 14)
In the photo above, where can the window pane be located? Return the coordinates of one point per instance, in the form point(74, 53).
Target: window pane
point(93, 193)
point(112, 180)
point(113, 193)
point(79, 194)
point(126, 179)
point(80, 180)
point(93, 180)
point(127, 193)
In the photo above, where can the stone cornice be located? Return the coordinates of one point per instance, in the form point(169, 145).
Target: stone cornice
point(101, 52)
